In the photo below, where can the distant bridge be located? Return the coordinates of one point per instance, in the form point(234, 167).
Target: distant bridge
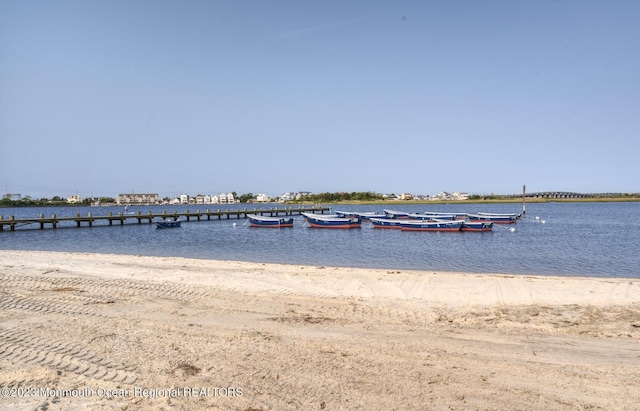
point(563, 194)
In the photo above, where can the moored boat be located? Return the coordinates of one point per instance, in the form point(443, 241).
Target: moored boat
point(346, 214)
point(168, 223)
point(422, 225)
point(366, 215)
point(269, 222)
point(431, 217)
point(369, 215)
point(493, 218)
point(333, 222)
point(477, 226)
point(456, 216)
point(511, 215)
point(315, 215)
point(386, 222)
point(396, 214)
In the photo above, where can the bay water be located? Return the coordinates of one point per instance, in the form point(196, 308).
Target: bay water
point(598, 239)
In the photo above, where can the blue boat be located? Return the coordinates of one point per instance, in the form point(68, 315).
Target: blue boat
point(431, 217)
point(477, 226)
point(346, 214)
point(269, 222)
point(386, 222)
point(314, 215)
point(456, 216)
point(370, 215)
point(359, 214)
point(332, 222)
point(421, 225)
point(168, 223)
point(493, 218)
point(396, 214)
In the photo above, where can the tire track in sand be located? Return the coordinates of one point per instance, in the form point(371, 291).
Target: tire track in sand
point(20, 347)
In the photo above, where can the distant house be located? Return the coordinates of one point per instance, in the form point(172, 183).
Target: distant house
point(262, 198)
point(460, 196)
point(230, 198)
point(74, 199)
point(406, 196)
point(302, 195)
point(203, 199)
point(139, 199)
point(287, 197)
point(184, 199)
point(222, 198)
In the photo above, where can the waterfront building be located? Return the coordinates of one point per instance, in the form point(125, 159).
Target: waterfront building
point(138, 199)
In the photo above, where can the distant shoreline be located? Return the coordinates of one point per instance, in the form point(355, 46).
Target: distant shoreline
point(627, 198)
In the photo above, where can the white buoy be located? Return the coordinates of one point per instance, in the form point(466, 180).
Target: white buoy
point(543, 221)
point(537, 218)
point(512, 229)
point(234, 224)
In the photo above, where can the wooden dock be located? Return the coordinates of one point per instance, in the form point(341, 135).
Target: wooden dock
point(88, 221)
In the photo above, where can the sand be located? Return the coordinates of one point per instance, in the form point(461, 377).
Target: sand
point(94, 331)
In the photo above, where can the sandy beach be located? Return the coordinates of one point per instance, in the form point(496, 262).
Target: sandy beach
point(94, 331)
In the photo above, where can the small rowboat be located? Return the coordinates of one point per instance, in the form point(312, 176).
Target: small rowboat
point(333, 222)
point(456, 216)
point(269, 222)
point(493, 218)
point(370, 215)
point(386, 223)
point(359, 214)
point(396, 214)
point(503, 215)
point(431, 217)
point(314, 215)
point(422, 225)
point(168, 224)
point(477, 226)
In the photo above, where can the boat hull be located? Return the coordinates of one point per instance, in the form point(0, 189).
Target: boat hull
point(395, 214)
point(492, 219)
point(431, 226)
point(168, 224)
point(270, 222)
point(386, 223)
point(432, 217)
point(344, 223)
point(476, 226)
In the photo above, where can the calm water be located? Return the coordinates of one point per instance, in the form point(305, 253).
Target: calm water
point(584, 239)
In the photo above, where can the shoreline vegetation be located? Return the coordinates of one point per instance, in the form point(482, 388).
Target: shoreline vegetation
point(622, 198)
point(123, 331)
point(476, 199)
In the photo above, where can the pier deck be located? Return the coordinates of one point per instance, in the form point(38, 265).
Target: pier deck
point(88, 220)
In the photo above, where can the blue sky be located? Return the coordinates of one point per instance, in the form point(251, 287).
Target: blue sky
point(108, 97)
